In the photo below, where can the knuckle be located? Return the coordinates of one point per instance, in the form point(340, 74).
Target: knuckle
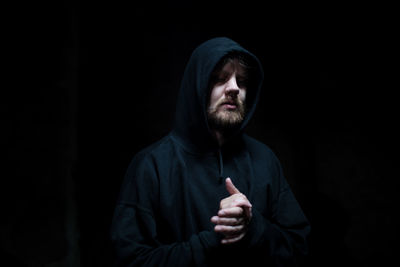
point(234, 230)
point(242, 202)
point(222, 204)
point(230, 221)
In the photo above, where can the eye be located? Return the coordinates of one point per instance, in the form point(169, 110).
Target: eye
point(242, 82)
point(221, 79)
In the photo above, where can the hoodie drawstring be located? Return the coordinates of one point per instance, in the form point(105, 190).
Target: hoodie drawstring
point(221, 166)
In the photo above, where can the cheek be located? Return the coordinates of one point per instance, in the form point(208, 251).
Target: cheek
point(242, 95)
point(216, 94)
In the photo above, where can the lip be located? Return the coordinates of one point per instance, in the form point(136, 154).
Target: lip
point(229, 105)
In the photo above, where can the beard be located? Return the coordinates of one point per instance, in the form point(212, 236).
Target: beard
point(226, 120)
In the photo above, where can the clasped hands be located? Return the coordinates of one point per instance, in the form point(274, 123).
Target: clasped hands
point(233, 216)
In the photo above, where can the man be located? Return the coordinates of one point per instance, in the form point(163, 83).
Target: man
point(207, 194)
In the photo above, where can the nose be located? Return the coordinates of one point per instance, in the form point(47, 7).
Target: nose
point(232, 88)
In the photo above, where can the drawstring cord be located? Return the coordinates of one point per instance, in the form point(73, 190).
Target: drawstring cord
point(221, 166)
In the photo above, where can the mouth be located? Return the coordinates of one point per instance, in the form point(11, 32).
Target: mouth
point(231, 105)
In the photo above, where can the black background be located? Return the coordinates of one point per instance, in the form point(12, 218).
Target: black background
point(86, 85)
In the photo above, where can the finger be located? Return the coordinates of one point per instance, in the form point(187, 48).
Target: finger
point(230, 187)
point(214, 219)
point(242, 202)
point(227, 221)
point(228, 230)
point(236, 200)
point(231, 212)
point(231, 240)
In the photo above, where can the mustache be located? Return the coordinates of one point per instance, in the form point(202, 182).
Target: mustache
point(232, 101)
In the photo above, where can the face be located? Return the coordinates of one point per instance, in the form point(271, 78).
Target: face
point(226, 108)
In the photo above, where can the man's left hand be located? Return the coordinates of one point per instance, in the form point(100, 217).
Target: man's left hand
point(233, 216)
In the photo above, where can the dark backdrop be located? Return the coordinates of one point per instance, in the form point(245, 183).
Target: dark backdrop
point(89, 84)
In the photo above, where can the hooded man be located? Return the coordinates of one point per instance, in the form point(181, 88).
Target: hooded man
point(207, 194)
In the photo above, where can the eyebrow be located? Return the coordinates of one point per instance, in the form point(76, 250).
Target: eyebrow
point(225, 73)
point(243, 76)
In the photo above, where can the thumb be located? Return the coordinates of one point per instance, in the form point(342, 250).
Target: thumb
point(230, 187)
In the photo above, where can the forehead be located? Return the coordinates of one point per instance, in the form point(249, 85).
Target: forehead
point(230, 66)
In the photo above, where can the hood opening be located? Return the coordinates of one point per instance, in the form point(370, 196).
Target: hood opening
point(191, 124)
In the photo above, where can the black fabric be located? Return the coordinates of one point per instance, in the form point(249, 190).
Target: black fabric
point(173, 187)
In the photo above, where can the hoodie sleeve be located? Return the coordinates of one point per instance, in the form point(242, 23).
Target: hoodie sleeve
point(134, 226)
point(282, 237)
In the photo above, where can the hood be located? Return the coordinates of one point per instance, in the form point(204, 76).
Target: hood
point(191, 127)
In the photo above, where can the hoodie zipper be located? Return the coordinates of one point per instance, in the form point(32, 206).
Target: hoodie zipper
point(221, 166)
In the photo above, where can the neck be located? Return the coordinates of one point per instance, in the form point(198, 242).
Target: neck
point(219, 137)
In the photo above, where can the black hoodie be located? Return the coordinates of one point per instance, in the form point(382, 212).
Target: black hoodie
point(173, 187)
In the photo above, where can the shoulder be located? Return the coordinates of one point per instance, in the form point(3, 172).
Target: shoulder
point(258, 149)
point(265, 162)
point(262, 156)
point(154, 156)
point(141, 181)
point(160, 147)
point(143, 170)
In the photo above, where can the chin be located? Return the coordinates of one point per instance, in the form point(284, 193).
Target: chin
point(226, 120)
point(231, 116)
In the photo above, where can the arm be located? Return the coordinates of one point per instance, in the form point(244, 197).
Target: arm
point(134, 237)
point(134, 228)
point(282, 236)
